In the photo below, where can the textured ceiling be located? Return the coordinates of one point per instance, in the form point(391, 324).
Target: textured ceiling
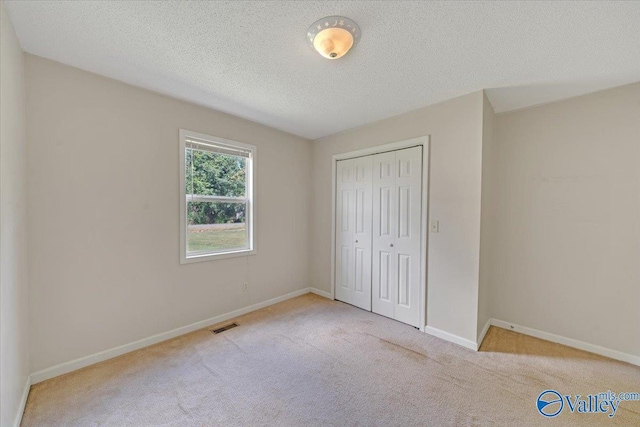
point(251, 59)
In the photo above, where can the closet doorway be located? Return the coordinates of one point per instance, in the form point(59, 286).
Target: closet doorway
point(379, 229)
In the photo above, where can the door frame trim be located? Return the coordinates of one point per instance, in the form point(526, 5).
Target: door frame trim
point(423, 141)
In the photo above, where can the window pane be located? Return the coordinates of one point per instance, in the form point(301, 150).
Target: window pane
point(214, 174)
point(216, 226)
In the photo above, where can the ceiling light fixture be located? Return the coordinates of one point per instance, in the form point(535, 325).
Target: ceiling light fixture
point(333, 36)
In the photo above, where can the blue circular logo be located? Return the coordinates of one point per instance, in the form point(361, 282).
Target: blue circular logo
point(550, 403)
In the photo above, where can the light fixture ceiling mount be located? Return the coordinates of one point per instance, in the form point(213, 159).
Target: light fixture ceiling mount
point(333, 36)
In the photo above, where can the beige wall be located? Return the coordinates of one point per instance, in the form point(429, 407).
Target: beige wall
point(567, 259)
point(455, 127)
point(14, 344)
point(488, 208)
point(104, 217)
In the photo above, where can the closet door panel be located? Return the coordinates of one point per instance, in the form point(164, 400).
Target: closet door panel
point(345, 221)
point(363, 216)
point(384, 284)
point(408, 182)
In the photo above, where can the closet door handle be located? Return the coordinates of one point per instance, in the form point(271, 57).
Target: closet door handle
point(356, 241)
point(391, 244)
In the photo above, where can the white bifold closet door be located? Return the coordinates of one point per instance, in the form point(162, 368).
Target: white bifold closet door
point(378, 220)
point(397, 210)
point(353, 231)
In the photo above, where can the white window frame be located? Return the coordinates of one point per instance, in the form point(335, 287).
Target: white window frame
point(250, 221)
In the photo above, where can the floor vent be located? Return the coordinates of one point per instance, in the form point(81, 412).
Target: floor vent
point(224, 328)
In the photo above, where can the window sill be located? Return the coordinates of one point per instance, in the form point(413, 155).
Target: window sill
point(212, 257)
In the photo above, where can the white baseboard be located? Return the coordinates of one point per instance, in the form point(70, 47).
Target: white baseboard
point(451, 337)
point(483, 333)
point(602, 351)
point(81, 362)
point(321, 293)
point(23, 402)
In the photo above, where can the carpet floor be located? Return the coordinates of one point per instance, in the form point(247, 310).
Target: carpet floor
point(309, 361)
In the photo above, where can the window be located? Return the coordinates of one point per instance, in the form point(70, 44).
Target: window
point(217, 211)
